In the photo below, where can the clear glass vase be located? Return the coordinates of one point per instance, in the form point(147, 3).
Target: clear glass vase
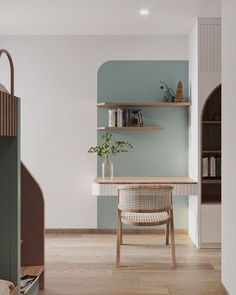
point(107, 168)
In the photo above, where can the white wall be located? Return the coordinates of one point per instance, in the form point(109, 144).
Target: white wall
point(56, 77)
point(193, 212)
point(193, 91)
point(229, 145)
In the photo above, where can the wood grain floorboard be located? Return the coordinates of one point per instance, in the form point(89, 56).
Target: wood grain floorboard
point(85, 265)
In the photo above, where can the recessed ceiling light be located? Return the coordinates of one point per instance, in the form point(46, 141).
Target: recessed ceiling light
point(144, 11)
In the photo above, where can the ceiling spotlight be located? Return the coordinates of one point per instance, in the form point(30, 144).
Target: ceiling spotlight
point(144, 11)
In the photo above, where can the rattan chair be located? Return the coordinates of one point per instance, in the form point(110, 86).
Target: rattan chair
point(145, 205)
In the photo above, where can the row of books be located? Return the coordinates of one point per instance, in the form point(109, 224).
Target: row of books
point(125, 117)
point(211, 167)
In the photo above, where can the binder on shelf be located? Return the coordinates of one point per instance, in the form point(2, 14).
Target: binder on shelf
point(212, 167)
point(119, 118)
point(218, 167)
point(112, 114)
point(205, 167)
point(124, 117)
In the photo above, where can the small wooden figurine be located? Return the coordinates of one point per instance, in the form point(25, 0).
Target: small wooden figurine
point(179, 92)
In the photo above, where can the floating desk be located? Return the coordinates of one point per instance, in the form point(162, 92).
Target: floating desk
point(182, 185)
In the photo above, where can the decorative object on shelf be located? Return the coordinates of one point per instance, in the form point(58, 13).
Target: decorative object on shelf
point(107, 168)
point(169, 95)
point(108, 149)
point(179, 92)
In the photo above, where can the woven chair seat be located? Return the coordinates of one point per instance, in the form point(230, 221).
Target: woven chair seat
point(144, 218)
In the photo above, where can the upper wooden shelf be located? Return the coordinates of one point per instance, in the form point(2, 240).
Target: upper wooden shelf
point(143, 104)
point(211, 122)
point(211, 151)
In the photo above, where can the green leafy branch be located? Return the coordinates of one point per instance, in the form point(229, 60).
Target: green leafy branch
point(108, 149)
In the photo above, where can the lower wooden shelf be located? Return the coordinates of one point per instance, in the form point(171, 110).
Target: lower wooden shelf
point(204, 181)
point(32, 270)
point(211, 199)
point(131, 128)
point(211, 203)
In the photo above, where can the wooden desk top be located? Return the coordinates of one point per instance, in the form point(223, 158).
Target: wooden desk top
point(145, 180)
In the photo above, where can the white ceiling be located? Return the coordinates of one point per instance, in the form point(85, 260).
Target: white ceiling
point(102, 17)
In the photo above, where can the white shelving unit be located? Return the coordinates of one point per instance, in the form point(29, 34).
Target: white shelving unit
point(204, 77)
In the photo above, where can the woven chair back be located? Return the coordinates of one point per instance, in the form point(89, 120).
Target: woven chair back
point(145, 198)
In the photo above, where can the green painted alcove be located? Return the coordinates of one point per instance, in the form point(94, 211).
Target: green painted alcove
point(155, 153)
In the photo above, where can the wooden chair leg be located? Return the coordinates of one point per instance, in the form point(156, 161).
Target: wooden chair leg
point(167, 232)
point(172, 234)
point(118, 239)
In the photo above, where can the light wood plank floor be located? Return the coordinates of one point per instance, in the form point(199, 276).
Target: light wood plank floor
point(85, 265)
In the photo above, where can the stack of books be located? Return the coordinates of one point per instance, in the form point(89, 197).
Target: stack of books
point(125, 118)
point(211, 167)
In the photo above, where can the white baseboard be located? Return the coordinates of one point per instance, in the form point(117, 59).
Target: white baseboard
point(210, 246)
point(81, 231)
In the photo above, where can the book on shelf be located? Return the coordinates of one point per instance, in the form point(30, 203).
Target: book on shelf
point(119, 118)
point(205, 167)
point(140, 118)
point(125, 118)
point(112, 118)
point(218, 167)
point(211, 167)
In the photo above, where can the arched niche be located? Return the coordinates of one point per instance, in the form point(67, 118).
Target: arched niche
point(211, 148)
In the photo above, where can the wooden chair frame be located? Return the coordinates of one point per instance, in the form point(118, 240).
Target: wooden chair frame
point(169, 222)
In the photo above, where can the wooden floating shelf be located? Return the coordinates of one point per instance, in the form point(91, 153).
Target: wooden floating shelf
point(143, 104)
point(211, 181)
point(129, 128)
point(211, 202)
point(34, 270)
point(211, 122)
point(211, 152)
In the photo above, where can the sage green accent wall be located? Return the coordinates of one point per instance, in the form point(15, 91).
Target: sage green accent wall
point(155, 153)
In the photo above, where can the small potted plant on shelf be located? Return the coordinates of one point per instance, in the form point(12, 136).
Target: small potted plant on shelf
point(108, 149)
